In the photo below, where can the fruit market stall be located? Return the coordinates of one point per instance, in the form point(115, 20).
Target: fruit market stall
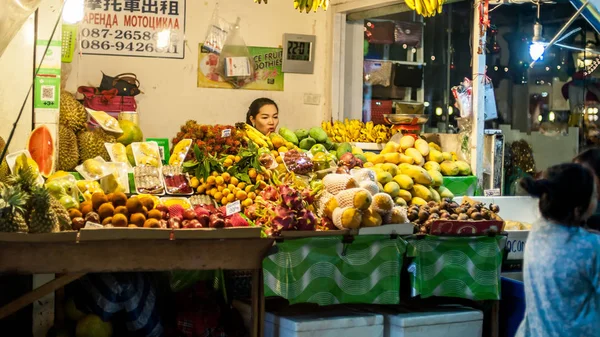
point(218, 196)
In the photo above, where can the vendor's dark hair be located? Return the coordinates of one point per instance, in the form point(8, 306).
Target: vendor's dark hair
point(564, 192)
point(256, 105)
point(591, 157)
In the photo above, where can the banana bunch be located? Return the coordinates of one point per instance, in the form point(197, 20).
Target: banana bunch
point(308, 5)
point(356, 131)
point(257, 137)
point(427, 8)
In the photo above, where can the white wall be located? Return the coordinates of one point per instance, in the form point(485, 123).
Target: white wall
point(16, 69)
point(170, 93)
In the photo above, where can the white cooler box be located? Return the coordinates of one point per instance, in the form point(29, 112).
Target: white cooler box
point(451, 321)
point(330, 323)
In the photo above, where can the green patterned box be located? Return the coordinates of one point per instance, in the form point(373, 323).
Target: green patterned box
point(327, 271)
point(456, 266)
point(461, 186)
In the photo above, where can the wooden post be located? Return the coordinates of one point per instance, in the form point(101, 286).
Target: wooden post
point(478, 53)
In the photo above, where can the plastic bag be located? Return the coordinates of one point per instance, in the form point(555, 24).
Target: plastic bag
point(463, 95)
point(297, 162)
point(217, 33)
point(236, 66)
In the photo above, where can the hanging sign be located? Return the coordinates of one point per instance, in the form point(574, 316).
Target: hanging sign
point(143, 28)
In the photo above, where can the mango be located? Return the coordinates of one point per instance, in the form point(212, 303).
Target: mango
point(361, 157)
point(329, 145)
point(449, 168)
point(367, 165)
point(400, 202)
point(418, 174)
point(393, 157)
point(432, 165)
point(445, 192)
point(390, 147)
point(406, 159)
point(404, 194)
point(435, 156)
point(435, 196)
point(377, 159)
point(416, 155)
point(433, 145)
point(422, 192)
point(383, 177)
point(418, 201)
point(407, 142)
point(369, 155)
point(438, 179)
point(318, 134)
point(301, 134)
point(371, 218)
point(307, 143)
point(464, 169)
point(404, 166)
point(447, 156)
point(357, 150)
point(288, 135)
point(390, 168)
point(277, 140)
point(422, 146)
point(392, 188)
point(404, 181)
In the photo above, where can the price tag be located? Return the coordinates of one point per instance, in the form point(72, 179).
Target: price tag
point(92, 225)
point(226, 133)
point(494, 192)
point(234, 207)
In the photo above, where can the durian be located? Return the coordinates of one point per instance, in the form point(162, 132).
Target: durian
point(91, 144)
point(68, 153)
point(72, 113)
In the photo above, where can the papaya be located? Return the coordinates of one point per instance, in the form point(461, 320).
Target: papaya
point(288, 135)
point(343, 148)
point(307, 143)
point(301, 134)
point(318, 134)
point(42, 150)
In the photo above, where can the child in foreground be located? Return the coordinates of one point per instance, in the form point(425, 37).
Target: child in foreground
point(562, 260)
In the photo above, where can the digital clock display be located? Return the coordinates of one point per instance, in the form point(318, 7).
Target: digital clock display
point(298, 50)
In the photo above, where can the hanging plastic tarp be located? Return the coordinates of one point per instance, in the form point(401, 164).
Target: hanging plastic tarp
point(590, 13)
point(12, 16)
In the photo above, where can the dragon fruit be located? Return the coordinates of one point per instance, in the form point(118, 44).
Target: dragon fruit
point(306, 220)
point(250, 212)
point(284, 223)
point(201, 210)
point(291, 197)
point(270, 194)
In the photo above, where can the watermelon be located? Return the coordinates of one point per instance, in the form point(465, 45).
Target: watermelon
point(41, 146)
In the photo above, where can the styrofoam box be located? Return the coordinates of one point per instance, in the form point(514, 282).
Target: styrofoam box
point(331, 323)
point(447, 322)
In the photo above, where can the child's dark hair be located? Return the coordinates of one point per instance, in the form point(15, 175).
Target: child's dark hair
point(256, 105)
point(590, 157)
point(564, 192)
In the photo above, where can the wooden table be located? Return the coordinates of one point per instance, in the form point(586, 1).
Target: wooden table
point(74, 259)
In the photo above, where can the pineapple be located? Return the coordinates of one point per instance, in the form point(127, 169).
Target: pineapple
point(43, 218)
point(12, 203)
point(26, 179)
point(61, 212)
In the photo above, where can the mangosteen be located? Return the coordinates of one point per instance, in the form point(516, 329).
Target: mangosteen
point(462, 217)
point(494, 208)
point(476, 216)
